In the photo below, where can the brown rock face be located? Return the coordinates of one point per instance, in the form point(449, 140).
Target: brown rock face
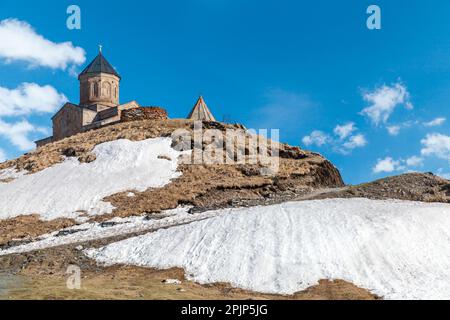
point(144, 113)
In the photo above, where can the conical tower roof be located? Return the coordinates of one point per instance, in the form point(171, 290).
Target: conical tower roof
point(100, 65)
point(201, 111)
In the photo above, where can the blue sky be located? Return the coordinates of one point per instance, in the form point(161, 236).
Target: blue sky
point(375, 102)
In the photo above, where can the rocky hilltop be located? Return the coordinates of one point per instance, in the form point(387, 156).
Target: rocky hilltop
point(201, 186)
point(425, 187)
point(302, 175)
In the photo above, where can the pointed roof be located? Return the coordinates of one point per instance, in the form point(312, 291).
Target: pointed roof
point(100, 65)
point(201, 111)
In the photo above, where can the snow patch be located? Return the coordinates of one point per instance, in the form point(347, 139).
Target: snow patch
point(112, 228)
point(396, 249)
point(11, 173)
point(70, 187)
point(172, 281)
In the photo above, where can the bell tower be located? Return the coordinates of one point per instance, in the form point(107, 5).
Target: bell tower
point(99, 83)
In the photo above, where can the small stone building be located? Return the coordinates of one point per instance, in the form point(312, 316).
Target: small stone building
point(201, 112)
point(100, 104)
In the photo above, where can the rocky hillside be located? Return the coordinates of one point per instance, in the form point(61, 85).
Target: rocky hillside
point(75, 201)
point(425, 187)
point(201, 186)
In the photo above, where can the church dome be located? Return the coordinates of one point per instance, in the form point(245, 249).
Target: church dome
point(100, 65)
point(99, 84)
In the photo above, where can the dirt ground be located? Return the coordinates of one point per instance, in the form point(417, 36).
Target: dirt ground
point(126, 283)
point(42, 275)
point(25, 228)
point(133, 283)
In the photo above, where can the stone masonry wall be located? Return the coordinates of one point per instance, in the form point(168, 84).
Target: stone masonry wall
point(67, 122)
point(143, 113)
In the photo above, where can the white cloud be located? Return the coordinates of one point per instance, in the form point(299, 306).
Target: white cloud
point(317, 138)
point(356, 141)
point(29, 98)
point(436, 122)
point(384, 100)
point(343, 131)
point(386, 165)
point(20, 42)
point(342, 142)
point(436, 144)
point(18, 133)
point(389, 164)
point(393, 130)
point(414, 161)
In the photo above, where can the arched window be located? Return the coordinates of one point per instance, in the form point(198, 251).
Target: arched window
point(106, 89)
point(95, 89)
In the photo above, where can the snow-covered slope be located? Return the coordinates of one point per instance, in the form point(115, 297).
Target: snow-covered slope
point(115, 227)
point(10, 173)
point(397, 249)
point(68, 188)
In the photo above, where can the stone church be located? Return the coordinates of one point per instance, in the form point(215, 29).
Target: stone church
point(100, 104)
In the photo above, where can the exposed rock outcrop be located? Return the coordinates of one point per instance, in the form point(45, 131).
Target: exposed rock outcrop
point(424, 187)
point(143, 113)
